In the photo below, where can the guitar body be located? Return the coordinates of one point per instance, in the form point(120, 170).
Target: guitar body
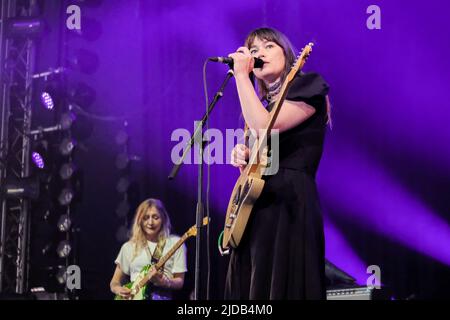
point(247, 190)
point(137, 292)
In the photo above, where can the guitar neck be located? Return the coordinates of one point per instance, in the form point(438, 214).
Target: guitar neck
point(262, 139)
point(169, 254)
point(166, 257)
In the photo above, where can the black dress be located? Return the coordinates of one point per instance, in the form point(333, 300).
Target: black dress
point(282, 252)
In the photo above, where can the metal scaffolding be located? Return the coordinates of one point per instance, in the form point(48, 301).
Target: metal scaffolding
point(17, 56)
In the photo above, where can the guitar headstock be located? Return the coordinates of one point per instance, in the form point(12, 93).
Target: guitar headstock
point(300, 61)
point(192, 232)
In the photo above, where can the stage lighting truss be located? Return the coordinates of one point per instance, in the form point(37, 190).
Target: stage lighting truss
point(17, 60)
point(19, 97)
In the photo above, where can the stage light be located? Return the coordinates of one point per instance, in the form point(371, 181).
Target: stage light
point(123, 184)
point(64, 248)
point(39, 153)
point(67, 170)
point(66, 196)
point(21, 188)
point(46, 249)
point(64, 223)
point(121, 137)
point(66, 147)
point(50, 93)
point(38, 160)
point(47, 100)
point(67, 119)
point(123, 208)
point(24, 27)
point(61, 275)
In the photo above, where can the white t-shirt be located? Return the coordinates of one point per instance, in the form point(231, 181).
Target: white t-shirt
point(132, 267)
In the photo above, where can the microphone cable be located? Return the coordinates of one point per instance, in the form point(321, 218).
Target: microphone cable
point(208, 182)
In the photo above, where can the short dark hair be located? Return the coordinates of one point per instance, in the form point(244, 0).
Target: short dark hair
point(271, 34)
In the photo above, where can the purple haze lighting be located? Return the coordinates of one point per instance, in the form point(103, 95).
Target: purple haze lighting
point(373, 200)
point(340, 253)
point(38, 160)
point(47, 100)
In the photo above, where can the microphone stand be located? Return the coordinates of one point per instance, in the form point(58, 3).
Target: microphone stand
point(197, 137)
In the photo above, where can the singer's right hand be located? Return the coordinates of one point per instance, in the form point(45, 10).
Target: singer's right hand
point(239, 156)
point(243, 62)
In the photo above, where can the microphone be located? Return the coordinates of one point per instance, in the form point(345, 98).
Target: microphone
point(48, 73)
point(258, 62)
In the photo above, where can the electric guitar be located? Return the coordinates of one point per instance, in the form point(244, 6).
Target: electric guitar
point(250, 184)
point(138, 287)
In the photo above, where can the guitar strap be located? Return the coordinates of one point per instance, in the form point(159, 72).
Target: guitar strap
point(246, 136)
point(154, 258)
point(260, 158)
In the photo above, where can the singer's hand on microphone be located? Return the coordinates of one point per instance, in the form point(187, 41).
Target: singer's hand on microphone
point(243, 61)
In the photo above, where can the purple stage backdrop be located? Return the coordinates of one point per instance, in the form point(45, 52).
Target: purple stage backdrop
point(384, 178)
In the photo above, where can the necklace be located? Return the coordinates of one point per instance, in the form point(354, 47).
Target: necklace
point(273, 89)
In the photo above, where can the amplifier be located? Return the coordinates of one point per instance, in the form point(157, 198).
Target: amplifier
point(357, 293)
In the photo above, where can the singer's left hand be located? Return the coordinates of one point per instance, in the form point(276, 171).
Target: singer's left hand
point(243, 61)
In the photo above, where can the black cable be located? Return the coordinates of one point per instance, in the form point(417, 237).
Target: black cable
point(99, 117)
point(208, 175)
